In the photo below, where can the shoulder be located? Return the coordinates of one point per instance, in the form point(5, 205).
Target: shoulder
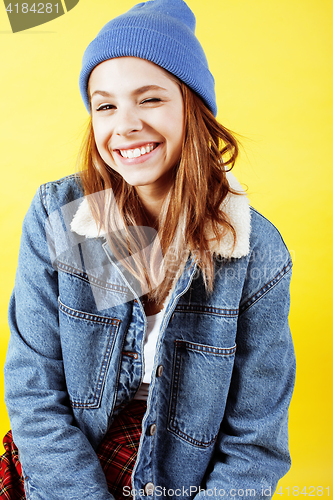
point(266, 240)
point(64, 191)
point(268, 263)
point(262, 228)
point(54, 201)
point(254, 233)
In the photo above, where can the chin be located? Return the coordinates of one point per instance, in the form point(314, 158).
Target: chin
point(139, 181)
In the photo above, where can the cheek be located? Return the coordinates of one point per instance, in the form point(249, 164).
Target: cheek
point(99, 133)
point(177, 126)
point(173, 130)
point(102, 137)
point(176, 136)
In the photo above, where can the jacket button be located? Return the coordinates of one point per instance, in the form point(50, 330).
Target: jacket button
point(159, 371)
point(152, 429)
point(149, 488)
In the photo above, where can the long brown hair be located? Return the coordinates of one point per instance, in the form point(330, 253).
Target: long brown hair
point(192, 206)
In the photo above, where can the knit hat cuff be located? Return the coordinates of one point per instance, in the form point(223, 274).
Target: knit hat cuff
point(158, 47)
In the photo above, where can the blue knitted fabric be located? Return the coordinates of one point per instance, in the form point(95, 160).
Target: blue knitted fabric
point(161, 31)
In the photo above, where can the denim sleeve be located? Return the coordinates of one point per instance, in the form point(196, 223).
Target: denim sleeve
point(252, 452)
point(57, 459)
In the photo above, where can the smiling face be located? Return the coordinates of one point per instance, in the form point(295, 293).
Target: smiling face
point(138, 121)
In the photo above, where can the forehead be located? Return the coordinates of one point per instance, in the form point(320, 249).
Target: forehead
point(126, 73)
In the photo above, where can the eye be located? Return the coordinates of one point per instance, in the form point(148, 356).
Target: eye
point(105, 107)
point(151, 100)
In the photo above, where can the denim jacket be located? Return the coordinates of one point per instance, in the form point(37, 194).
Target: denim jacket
point(217, 410)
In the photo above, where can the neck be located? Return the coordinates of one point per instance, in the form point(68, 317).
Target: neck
point(152, 201)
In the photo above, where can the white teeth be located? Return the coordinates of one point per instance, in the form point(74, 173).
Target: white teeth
point(135, 153)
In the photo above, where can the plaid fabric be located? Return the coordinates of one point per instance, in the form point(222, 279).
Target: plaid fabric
point(11, 479)
point(118, 450)
point(117, 454)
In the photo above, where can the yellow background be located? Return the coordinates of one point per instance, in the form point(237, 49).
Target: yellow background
point(272, 61)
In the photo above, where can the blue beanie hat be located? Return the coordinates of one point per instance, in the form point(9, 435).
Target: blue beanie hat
point(160, 31)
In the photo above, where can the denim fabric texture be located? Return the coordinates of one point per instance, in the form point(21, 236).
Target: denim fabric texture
point(217, 414)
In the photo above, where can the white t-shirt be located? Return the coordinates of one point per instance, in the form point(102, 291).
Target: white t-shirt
point(153, 329)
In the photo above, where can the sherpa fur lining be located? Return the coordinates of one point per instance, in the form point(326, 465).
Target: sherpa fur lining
point(236, 207)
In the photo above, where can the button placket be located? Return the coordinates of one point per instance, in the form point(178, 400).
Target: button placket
point(152, 429)
point(149, 488)
point(159, 371)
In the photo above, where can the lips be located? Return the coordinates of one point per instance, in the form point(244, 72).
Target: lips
point(137, 150)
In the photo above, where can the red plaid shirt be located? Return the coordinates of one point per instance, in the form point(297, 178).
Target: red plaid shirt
point(117, 454)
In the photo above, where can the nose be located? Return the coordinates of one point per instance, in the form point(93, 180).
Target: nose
point(127, 121)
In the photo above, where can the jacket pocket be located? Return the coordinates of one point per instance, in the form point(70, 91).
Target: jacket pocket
point(87, 343)
point(200, 384)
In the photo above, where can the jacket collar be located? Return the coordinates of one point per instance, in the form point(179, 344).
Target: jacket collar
point(236, 207)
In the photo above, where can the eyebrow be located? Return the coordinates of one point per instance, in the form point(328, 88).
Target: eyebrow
point(139, 91)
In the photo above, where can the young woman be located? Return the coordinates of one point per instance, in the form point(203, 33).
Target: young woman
point(150, 353)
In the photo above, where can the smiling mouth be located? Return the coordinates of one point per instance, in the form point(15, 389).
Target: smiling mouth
point(137, 152)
